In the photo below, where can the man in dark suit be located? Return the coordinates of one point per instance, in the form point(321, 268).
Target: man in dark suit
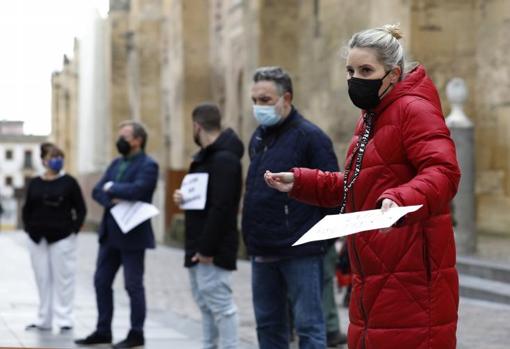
point(131, 177)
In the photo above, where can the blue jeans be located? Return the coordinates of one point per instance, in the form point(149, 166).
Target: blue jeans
point(211, 290)
point(294, 281)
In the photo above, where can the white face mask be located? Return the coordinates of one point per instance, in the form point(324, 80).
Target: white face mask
point(266, 115)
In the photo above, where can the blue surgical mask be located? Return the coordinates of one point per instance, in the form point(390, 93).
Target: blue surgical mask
point(56, 164)
point(266, 115)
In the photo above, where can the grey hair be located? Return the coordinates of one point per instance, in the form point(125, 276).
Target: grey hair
point(277, 75)
point(385, 42)
point(138, 130)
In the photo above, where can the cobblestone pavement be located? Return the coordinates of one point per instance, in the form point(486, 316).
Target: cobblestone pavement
point(173, 318)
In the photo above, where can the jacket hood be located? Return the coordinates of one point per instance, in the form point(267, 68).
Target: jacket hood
point(227, 140)
point(416, 83)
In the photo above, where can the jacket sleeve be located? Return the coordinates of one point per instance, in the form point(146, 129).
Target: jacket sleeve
point(78, 205)
point(27, 208)
point(431, 151)
point(100, 196)
point(316, 187)
point(145, 182)
point(224, 190)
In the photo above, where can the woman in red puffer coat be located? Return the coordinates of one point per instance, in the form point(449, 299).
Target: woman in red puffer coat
point(405, 285)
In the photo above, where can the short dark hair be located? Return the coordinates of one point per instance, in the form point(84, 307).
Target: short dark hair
point(138, 130)
point(55, 151)
point(207, 115)
point(45, 148)
point(50, 149)
point(277, 75)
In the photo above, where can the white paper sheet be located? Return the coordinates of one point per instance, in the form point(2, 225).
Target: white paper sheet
point(337, 225)
point(129, 214)
point(194, 191)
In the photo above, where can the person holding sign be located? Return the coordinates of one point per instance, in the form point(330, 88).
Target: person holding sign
point(210, 195)
point(405, 284)
point(130, 177)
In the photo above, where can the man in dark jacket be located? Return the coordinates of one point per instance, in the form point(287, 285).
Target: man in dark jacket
point(131, 177)
point(272, 221)
point(211, 233)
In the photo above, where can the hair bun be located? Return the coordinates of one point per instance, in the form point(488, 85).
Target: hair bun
point(394, 30)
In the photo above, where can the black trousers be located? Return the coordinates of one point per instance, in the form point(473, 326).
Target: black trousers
point(109, 260)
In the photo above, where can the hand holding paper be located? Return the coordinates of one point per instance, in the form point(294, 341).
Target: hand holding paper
point(129, 214)
point(194, 191)
point(333, 226)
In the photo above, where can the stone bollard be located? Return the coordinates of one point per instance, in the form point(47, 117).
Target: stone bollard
point(462, 130)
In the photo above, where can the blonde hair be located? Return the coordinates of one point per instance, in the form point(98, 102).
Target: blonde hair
point(385, 42)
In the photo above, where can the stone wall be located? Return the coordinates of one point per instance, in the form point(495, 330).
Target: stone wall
point(64, 110)
point(451, 38)
point(121, 43)
point(144, 73)
point(491, 93)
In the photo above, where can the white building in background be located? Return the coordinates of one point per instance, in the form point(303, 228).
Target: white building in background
point(19, 161)
point(93, 120)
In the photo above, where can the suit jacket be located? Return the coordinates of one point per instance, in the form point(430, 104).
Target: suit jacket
point(137, 183)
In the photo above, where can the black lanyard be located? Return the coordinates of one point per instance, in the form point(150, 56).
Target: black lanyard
point(358, 153)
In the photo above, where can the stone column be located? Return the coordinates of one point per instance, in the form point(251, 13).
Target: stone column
point(462, 133)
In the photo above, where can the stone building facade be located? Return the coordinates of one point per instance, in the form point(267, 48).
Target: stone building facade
point(64, 113)
point(164, 56)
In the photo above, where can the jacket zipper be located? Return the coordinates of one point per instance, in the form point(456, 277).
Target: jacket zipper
point(261, 161)
point(426, 259)
point(362, 274)
point(286, 210)
point(426, 262)
point(362, 290)
point(263, 153)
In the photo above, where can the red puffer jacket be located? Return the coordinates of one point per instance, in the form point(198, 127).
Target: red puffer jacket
point(405, 285)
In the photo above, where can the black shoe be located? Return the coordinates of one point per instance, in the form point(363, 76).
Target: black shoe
point(95, 338)
point(134, 339)
point(37, 327)
point(335, 339)
point(66, 329)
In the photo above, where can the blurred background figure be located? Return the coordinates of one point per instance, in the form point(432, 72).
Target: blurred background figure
point(212, 238)
point(334, 337)
point(283, 276)
point(53, 214)
point(343, 274)
point(130, 177)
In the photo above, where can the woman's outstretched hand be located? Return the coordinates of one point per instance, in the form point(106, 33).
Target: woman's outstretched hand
point(282, 181)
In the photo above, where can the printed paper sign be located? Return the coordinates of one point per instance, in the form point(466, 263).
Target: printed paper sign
point(194, 191)
point(338, 225)
point(129, 214)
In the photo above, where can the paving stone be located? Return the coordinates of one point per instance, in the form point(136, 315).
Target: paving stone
point(173, 318)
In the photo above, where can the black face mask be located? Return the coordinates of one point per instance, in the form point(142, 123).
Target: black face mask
point(123, 146)
point(364, 93)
